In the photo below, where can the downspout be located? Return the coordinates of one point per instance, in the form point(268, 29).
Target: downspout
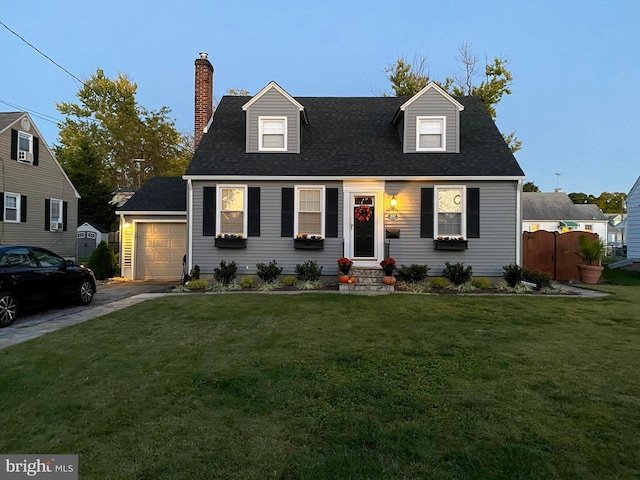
point(189, 225)
point(519, 224)
point(120, 244)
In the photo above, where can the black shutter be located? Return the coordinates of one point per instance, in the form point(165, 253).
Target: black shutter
point(254, 212)
point(1, 206)
point(426, 213)
point(47, 214)
point(65, 208)
point(286, 226)
point(36, 150)
point(14, 144)
point(23, 208)
point(331, 212)
point(473, 213)
point(209, 211)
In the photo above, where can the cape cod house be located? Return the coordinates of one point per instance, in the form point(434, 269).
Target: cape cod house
point(426, 179)
point(38, 202)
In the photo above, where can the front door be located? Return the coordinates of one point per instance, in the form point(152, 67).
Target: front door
point(364, 226)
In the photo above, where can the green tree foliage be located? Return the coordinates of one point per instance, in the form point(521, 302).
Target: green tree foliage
point(580, 198)
point(132, 142)
point(530, 187)
point(86, 171)
point(607, 202)
point(103, 261)
point(408, 78)
point(238, 92)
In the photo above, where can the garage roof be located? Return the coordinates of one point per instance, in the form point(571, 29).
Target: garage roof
point(158, 194)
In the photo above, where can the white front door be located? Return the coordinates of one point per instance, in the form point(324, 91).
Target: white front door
point(364, 222)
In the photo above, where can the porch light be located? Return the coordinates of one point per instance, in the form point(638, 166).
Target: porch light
point(392, 213)
point(394, 202)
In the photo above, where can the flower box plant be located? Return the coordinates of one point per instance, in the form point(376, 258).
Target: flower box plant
point(456, 242)
point(304, 241)
point(230, 240)
point(344, 265)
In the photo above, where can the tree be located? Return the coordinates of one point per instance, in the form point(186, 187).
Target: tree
point(238, 92)
point(86, 171)
point(530, 187)
point(132, 142)
point(407, 79)
point(581, 198)
point(611, 202)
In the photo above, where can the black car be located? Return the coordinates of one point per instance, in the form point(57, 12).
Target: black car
point(33, 276)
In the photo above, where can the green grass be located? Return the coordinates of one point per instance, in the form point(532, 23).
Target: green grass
point(329, 386)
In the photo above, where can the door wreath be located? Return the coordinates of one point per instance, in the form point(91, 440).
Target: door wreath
point(363, 213)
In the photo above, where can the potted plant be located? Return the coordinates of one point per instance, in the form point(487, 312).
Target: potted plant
point(304, 241)
point(591, 252)
point(344, 265)
point(388, 265)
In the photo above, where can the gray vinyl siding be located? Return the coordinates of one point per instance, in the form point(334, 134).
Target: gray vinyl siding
point(269, 245)
point(633, 222)
point(431, 103)
point(495, 248)
point(273, 103)
point(45, 180)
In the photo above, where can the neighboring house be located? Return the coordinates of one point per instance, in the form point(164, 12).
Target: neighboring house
point(556, 212)
point(363, 178)
point(89, 236)
point(616, 229)
point(633, 222)
point(153, 230)
point(38, 203)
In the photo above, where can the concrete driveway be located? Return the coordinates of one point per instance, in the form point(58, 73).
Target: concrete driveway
point(109, 297)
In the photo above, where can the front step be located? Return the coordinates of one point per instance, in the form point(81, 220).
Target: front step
point(368, 282)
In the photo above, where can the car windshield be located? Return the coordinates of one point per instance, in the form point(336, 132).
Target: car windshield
point(17, 257)
point(48, 259)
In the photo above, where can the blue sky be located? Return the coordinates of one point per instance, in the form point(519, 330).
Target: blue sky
point(575, 63)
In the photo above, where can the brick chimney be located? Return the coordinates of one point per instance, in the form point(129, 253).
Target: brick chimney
point(203, 97)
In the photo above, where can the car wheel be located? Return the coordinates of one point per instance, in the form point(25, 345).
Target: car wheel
point(8, 309)
point(85, 292)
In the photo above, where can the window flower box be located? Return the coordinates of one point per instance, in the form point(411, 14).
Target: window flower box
point(230, 241)
point(308, 242)
point(451, 243)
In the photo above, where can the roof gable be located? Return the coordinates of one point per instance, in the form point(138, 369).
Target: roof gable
point(272, 85)
point(7, 119)
point(432, 86)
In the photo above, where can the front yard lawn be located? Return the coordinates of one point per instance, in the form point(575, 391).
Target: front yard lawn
point(329, 386)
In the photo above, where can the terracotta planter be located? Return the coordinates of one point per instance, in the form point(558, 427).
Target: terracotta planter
point(389, 280)
point(590, 274)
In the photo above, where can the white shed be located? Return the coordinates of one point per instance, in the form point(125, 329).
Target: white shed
point(89, 237)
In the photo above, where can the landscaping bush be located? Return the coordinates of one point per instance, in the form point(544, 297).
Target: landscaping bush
point(289, 281)
point(481, 283)
point(512, 274)
point(268, 272)
point(197, 284)
point(439, 282)
point(103, 261)
point(308, 271)
point(226, 273)
point(457, 273)
point(247, 283)
point(541, 280)
point(194, 274)
point(413, 273)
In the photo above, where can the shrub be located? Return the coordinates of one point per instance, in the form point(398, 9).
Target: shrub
point(226, 273)
point(197, 284)
point(247, 283)
point(103, 261)
point(310, 285)
point(512, 274)
point(439, 282)
point(289, 281)
point(308, 271)
point(457, 273)
point(541, 280)
point(481, 283)
point(413, 273)
point(194, 274)
point(268, 272)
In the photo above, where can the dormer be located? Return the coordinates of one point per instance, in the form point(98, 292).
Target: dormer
point(429, 122)
point(273, 121)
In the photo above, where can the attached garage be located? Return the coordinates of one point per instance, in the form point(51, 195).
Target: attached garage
point(159, 250)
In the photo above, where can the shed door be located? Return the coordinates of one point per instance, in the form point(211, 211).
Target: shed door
point(159, 250)
point(86, 244)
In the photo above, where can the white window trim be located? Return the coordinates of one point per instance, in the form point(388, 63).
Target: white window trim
point(436, 208)
point(29, 158)
point(442, 119)
point(60, 219)
point(260, 128)
point(18, 203)
point(296, 202)
point(245, 215)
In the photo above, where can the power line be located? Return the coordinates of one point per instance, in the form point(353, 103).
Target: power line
point(42, 116)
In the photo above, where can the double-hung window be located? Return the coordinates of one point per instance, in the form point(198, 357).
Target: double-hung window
point(310, 207)
point(11, 207)
point(272, 134)
point(232, 210)
point(55, 215)
point(25, 147)
point(451, 212)
point(430, 134)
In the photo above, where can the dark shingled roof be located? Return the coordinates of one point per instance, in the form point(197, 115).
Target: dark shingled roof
point(159, 194)
point(558, 206)
point(353, 137)
point(7, 118)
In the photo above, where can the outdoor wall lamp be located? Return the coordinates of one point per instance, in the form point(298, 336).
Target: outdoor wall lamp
point(392, 213)
point(394, 202)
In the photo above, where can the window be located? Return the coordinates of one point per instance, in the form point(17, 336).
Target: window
point(450, 212)
point(55, 215)
point(16, 258)
point(588, 227)
point(232, 218)
point(430, 134)
point(11, 207)
point(309, 218)
point(25, 147)
point(47, 258)
point(272, 135)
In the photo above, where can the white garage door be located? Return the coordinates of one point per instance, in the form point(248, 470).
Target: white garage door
point(159, 250)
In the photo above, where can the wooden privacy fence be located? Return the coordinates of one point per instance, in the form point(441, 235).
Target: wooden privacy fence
point(552, 253)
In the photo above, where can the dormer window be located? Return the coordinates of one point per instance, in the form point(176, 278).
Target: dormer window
point(272, 133)
point(25, 147)
point(431, 134)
